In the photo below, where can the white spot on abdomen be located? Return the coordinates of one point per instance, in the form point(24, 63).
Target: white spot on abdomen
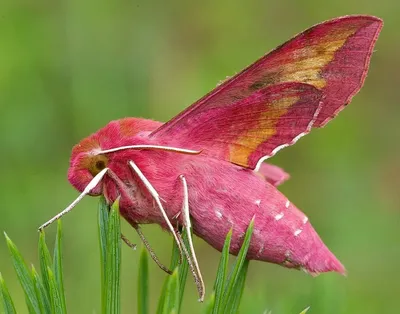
point(218, 213)
point(297, 232)
point(261, 250)
point(279, 216)
point(305, 219)
point(257, 202)
point(287, 204)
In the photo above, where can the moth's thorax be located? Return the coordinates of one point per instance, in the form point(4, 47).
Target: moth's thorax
point(86, 161)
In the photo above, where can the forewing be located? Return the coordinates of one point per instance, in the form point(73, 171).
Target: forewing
point(254, 127)
point(332, 56)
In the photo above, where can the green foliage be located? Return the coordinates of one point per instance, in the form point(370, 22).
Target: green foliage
point(45, 262)
point(181, 267)
point(221, 273)
point(305, 310)
point(41, 293)
point(7, 302)
point(55, 294)
point(102, 229)
point(143, 283)
point(57, 265)
point(24, 277)
point(45, 293)
point(111, 285)
point(171, 294)
point(228, 290)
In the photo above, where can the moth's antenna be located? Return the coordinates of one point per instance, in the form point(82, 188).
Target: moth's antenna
point(92, 184)
point(156, 197)
point(151, 147)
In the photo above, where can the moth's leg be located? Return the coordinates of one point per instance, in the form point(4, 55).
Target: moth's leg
point(150, 250)
point(192, 260)
point(127, 242)
point(156, 198)
point(126, 192)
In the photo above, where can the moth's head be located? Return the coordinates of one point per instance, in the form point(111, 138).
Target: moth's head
point(91, 159)
point(87, 158)
point(86, 163)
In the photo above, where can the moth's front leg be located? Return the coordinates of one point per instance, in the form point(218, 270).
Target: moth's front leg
point(153, 192)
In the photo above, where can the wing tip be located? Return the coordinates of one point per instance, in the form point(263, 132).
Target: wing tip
point(366, 17)
point(374, 38)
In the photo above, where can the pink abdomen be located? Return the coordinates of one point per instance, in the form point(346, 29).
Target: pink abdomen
point(227, 196)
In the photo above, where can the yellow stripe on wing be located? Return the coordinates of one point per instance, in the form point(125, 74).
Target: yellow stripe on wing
point(246, 144)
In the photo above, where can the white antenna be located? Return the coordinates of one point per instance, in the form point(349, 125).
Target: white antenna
point(92, 184)
point(153, 147)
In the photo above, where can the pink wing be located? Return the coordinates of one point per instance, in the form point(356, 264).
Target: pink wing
point(332, 56)
point(259, 125)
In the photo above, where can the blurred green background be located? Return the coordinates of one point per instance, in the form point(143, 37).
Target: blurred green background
point(69, 67)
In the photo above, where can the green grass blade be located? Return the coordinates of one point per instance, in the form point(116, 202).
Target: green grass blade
point(305, 310)
point(182, 273)
point(113, 262)
point(103, 214)
point(220, 279)
point(175, 256)
point(45, 261)
point(57, 264)
point(161, 300)
point(234, 302)
point(234, 275)
point(24, 276)
point(143, 283)
point(173, 264)
point(183, 269)
point(41, 293)
point(56, 303)
point(209, 308)
point(6, 300)
point(171, 300)
point(103, 227)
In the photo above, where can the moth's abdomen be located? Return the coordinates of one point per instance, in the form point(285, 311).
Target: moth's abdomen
point(230, 197)
point(287, 237)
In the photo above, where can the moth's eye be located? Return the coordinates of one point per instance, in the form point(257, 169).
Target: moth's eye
point(100, 164)
point(97, 164)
